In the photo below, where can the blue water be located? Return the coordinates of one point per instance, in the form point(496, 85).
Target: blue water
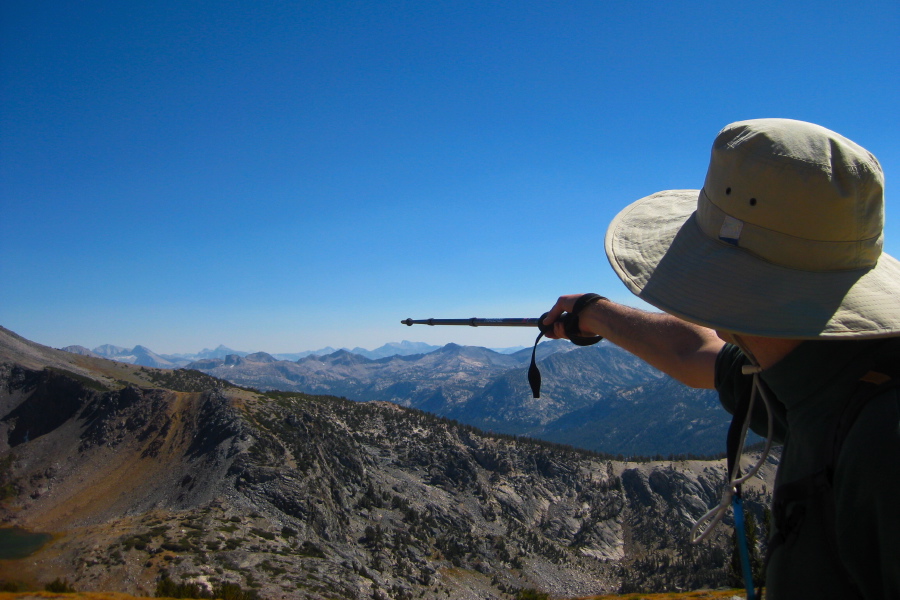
point(16, 542)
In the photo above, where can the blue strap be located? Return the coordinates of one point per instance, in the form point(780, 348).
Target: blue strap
point(738, 504)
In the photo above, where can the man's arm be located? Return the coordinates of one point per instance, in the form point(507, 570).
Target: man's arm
point(680, 349)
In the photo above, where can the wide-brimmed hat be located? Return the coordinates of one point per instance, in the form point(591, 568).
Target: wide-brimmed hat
point(784, 240)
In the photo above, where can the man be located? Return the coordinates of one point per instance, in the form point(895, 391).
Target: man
point(777, 264)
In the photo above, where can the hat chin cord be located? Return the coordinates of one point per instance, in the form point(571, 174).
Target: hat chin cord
point(715, 515)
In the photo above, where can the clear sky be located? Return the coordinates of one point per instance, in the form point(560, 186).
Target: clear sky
point(283, 176)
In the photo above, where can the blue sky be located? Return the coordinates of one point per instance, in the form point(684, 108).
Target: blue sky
point(284, 176)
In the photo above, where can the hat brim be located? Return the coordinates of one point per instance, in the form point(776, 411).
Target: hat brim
point(659, 251)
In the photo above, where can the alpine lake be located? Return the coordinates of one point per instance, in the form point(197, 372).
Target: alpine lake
point(16, 542)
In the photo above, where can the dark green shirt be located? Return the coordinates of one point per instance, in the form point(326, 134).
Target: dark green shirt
point(812, 385)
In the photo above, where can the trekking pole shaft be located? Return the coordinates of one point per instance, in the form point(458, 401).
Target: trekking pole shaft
point(475, 322)
point(570, 323)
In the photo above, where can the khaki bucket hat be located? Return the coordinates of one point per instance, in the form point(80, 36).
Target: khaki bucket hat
point(784, 240)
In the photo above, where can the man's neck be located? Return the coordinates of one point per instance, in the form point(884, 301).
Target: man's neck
point(766, 351)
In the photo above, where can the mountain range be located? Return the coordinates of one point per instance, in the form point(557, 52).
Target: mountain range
point(141, 355)
point(153, 478)
point(599, 397)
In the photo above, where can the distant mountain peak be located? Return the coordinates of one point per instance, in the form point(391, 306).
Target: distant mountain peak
point(110, 351)
point(404, 348)
point(80, 350)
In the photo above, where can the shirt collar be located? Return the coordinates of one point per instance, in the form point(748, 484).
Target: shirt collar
point(813, 364)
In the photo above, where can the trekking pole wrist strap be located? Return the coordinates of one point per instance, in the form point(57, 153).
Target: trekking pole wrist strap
point(573, 327)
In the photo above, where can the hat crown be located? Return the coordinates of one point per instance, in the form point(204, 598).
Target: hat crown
point(794, 193)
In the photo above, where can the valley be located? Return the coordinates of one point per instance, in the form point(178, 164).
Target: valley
point(146, 475)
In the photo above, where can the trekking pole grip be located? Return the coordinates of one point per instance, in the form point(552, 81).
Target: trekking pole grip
point(570, 325)
point(570, 322)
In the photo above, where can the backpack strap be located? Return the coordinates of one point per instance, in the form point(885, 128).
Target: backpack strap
point(733, 439)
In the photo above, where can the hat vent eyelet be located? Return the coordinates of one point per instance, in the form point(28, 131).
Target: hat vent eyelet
point(752, 201)
point(727, 191)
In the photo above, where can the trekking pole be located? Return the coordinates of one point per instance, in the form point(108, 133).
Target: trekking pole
point(476, 322)
point(570, 324)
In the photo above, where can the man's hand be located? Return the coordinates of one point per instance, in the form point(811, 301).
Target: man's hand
point(564, 304)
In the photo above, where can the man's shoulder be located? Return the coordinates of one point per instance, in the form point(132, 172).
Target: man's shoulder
point(867, 439)
point(869, 423)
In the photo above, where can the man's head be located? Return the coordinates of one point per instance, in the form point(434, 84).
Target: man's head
point(784, 239)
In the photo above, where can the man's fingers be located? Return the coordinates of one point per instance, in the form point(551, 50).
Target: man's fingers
point(563, 304)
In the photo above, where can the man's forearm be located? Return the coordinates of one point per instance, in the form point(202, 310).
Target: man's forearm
point(683, 350)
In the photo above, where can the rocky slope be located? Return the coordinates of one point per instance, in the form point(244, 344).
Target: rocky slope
point(144, 474)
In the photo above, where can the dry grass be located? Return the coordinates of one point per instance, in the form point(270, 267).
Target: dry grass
point(699, 595)
point(72, 596)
